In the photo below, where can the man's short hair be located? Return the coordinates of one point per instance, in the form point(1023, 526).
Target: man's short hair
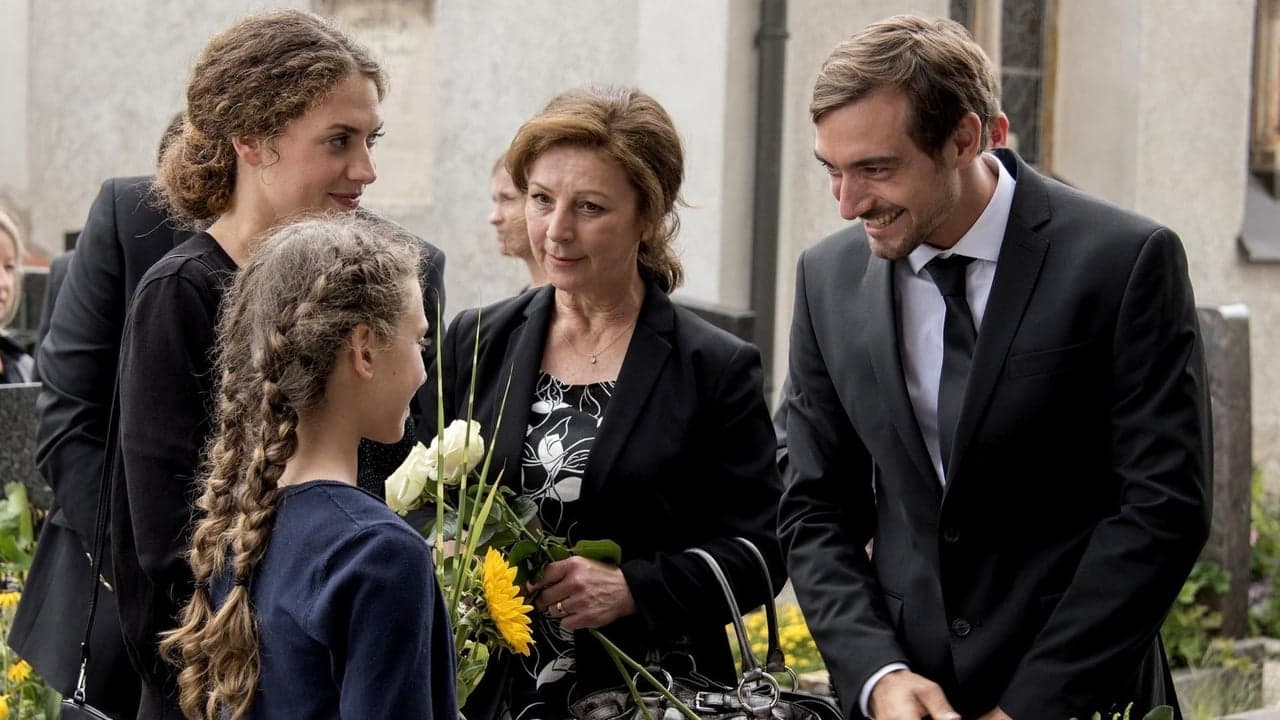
point(934, 61)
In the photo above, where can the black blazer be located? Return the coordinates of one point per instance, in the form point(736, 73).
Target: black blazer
point(684, 457)
point(122, 237)
point(1079, 491)
point(58, 268)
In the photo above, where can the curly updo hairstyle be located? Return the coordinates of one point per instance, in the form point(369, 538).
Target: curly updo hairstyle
point(284, 322)
point(630, 127)
point(250, 81)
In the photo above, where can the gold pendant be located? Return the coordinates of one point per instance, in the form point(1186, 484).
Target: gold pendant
point(593, 359)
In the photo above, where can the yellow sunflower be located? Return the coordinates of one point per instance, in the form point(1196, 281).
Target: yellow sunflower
point(9, 599)
point(19, 671)
point(506, 607)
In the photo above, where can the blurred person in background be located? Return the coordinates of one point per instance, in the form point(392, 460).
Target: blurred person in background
point(508, 223)
point(15, 363)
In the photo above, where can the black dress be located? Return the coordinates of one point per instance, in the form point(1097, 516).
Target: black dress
point(563, 422)
point(165, 385)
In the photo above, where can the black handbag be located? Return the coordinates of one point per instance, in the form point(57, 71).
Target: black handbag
point(756, 695)
point(76, 707)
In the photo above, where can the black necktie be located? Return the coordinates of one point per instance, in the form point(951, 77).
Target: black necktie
point(958, 338)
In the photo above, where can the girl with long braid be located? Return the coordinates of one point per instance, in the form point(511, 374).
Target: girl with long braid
point(313, 599)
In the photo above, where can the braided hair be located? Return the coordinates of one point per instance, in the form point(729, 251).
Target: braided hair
point(283, 322)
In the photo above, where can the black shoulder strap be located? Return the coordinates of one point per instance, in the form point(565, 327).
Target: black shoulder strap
point(100, 533)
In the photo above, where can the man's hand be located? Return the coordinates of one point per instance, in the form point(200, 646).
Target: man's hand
point(904, 695)
point(996, 714)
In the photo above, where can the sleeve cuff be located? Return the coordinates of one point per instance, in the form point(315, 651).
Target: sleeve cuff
point(864, 698)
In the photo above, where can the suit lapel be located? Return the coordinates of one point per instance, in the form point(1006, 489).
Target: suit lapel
point(520, 362)
point(1022, 254)
point(645, 359)
point(881, 341)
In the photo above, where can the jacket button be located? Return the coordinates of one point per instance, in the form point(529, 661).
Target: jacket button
point(961, 627)
point(950, 535)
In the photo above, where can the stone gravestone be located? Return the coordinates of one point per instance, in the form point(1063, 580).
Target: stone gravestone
point(18, 441)
point(1226, 343)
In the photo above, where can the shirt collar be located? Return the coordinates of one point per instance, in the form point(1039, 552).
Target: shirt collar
point(985, 236)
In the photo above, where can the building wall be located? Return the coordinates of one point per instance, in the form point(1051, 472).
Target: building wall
point(105, 78)
point(463, 77)
point(14, 17)
point(1155, 118)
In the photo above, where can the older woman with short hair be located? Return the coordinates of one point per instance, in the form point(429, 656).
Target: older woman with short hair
point(628, 417)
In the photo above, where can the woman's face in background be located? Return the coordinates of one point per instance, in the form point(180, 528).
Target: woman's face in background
point(8, 271)
point(507, 217)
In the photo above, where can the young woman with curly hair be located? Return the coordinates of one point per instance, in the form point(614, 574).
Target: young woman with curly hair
point(282, 114)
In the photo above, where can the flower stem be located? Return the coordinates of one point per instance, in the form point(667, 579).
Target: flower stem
point(618, 655)
point(631, 687)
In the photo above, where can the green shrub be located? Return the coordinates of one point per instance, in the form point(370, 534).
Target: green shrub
point(1191, 624)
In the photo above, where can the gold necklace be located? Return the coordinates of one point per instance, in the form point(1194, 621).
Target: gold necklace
point(595, 356)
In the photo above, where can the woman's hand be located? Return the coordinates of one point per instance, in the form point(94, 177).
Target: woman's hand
point(583, 593)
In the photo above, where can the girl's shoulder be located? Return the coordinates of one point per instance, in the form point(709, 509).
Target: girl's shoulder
point(331, 514)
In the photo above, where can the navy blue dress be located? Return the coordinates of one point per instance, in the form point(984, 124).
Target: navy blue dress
point(351, 623)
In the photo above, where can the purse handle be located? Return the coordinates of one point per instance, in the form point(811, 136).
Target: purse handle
point(775, 659)
point(754, 676)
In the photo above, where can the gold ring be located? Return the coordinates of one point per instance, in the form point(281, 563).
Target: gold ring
point(560, 607)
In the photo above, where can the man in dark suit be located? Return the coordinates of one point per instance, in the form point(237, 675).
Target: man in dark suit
point(1000, 381)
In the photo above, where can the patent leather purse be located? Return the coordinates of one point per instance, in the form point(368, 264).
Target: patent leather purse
point(757, 694)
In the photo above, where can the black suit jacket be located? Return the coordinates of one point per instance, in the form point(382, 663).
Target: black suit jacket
point(122, 237)
point(684, 458)
point(1078, 495)
point(58, 268)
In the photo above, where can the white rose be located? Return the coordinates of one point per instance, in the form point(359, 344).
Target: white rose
point(405, 485)
point(462, 451)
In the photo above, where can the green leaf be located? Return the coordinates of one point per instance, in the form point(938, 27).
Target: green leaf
point(471, 667)
point(602, 550)
point(1163, 712)
point(10, 551)
point(524, 509)
point(521, 550)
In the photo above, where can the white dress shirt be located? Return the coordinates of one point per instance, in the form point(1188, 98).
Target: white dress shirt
point(921, 314)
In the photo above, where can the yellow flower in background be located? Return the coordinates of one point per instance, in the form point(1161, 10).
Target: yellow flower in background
point(502, 598)
point(9, 599)
point(19, 671)
point(4, 706)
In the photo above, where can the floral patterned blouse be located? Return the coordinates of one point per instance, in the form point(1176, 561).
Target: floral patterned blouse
point(563, 422)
